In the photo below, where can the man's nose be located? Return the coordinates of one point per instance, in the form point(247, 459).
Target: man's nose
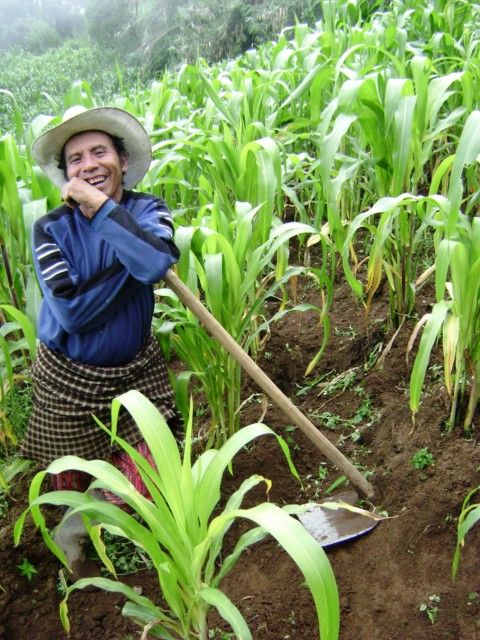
point(89, 162)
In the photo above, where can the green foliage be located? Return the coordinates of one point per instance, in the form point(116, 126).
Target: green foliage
point(469, 517)
point(125, 556)
point(216, 31)
point(455, 315)
point(430, 608)
point(422, 459)
point(27, 569)
point(17, 351)
point(36, 36)
point(111, 25)
point(181, 529)
point(230, 266)
point(40, 81)
point(9, 469)
point(36, 25)
point(15, 409)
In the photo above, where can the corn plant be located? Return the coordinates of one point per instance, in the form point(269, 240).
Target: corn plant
point(469, 516)
point(177, 530)
point(220, 259)
point(398, 227)
point(409, 125)
point(455, 315)
point(12, 230)
point(22, 200)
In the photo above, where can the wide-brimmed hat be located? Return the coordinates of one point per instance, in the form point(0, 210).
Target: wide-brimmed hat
point(48, 147)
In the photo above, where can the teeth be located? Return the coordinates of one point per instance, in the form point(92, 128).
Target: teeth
point(94, 181)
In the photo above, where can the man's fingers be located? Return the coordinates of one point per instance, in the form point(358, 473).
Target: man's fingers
point(70, 202)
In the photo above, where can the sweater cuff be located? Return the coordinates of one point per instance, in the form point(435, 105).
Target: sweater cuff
point(107, 207)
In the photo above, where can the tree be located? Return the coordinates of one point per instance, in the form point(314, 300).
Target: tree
point(37, 25)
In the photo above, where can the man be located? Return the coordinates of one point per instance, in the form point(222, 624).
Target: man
point(96, 258)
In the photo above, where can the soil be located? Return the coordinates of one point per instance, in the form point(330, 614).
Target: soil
point(383, 577)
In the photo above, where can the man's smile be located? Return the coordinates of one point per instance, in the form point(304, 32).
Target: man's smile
point(96, 181)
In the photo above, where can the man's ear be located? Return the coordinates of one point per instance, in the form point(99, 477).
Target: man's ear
point(124, 163)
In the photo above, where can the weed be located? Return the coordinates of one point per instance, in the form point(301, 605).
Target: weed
point(372, 357)
point(125, 555)
point(311, 385)
point(322, 473)
point(335, 484)
point(339, 383)
point(62, 585)
point(366, 473)
point(435, 372)
point(349, 332)
point(27, 569)
point(365, 415)
point(315, 483)
point(290, 440)
point(473, 597)
point(15, 409)
point(422, 459)
point(328, 419)
point(430, 608)
point(219, 634)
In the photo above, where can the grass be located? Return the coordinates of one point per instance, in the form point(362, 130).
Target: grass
point(15, 409)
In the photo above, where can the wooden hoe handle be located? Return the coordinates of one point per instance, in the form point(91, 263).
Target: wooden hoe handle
point(279, 398)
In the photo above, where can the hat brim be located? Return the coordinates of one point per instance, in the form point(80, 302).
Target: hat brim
point(48, 147)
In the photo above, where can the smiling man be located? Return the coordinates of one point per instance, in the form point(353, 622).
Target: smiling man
point(96, 257)
point(94, 168)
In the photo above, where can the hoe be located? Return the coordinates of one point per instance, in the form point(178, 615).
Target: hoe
point(336, 520)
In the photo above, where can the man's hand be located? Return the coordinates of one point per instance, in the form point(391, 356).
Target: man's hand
point(89, 198)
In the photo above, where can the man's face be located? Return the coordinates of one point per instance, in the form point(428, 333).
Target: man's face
point(92, 157)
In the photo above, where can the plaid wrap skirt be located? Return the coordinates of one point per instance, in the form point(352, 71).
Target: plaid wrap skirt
point(67, 393)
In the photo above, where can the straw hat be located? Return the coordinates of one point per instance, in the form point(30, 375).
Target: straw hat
point(48, 147)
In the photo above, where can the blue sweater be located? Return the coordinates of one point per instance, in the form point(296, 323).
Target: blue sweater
point(97, 277)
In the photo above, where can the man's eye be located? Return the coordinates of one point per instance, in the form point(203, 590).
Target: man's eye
point(99, 152)
point(73, 160)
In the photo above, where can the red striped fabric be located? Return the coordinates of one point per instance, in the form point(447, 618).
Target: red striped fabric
point(79, 481)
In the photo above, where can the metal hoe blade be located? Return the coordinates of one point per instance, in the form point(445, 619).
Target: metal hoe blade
point(329, 526)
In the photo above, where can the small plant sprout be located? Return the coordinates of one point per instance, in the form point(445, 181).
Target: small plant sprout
point(322, 473)
point(27, 569)
point(422, 459)
point(314, 483)
point(430, 608)
point(469, 517)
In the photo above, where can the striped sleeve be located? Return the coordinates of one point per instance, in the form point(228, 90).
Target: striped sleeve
point(52, 265)
point(77, 305)
point(142, 236)
point(52, 269)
